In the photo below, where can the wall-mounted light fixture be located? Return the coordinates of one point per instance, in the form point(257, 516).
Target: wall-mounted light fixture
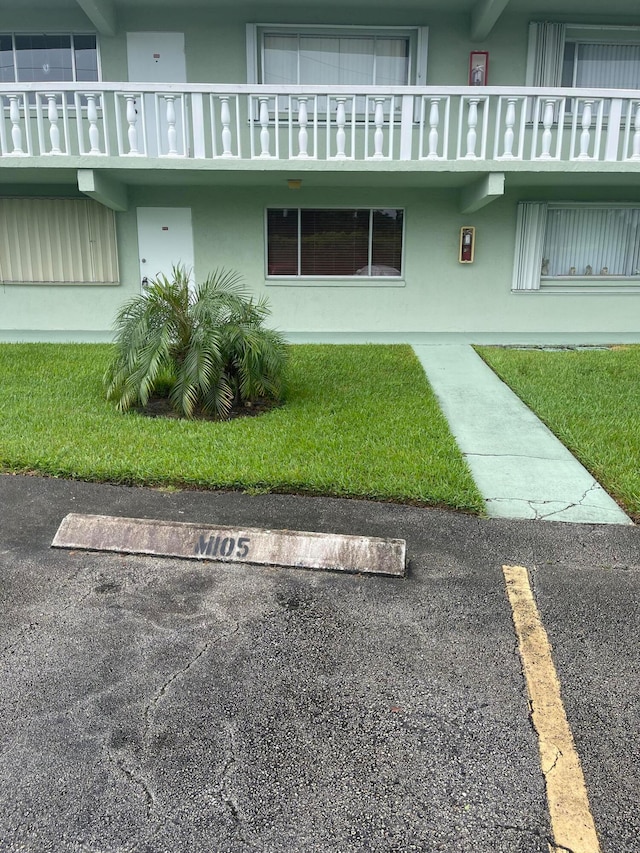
point(294, 183)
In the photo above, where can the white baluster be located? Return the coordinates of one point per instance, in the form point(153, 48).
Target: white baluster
point(434, 122)
point(378, 136)
point(509, 120)
point(303, 120)
point(264, 127)
point(341, 136)
point(172, 136)
point(225, 120)
point(635, 154)
point(132, 120)
point(16, 130)
point(472, 123)
point(92, 118)
point(54, 130)
point(585, 136)
point(547, 123)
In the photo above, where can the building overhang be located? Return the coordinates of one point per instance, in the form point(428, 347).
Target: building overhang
point(102, 14)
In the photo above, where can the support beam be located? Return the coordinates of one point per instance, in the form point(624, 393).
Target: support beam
point(102, 188)
point(482, 192)
point(102, 14)
point(484, 15)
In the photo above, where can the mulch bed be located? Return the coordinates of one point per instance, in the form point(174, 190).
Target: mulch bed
point(160, 407)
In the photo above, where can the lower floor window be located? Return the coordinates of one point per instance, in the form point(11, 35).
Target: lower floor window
point(339, 242)
point(588, 241)
point(57, 241)
point(576, 244)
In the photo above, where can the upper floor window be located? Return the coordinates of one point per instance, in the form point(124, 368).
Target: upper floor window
point(37, 58)
point(589, 65)
point(585, 57)
point(336, 56)
point(335, 60)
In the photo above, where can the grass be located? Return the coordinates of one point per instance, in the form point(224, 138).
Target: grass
point(590, 399)
point(359, 421)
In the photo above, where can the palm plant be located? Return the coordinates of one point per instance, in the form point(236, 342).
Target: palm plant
point(205, 347)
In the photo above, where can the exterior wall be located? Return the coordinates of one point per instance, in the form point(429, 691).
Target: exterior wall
point(215, 38)
point(436, 297)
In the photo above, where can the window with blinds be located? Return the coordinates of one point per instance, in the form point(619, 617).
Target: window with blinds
point(57, 241)
point(301, 58)
point(601, 66)
point(592, 241)
point(288, 54)
point(576, 246)
point(583, 56)
point(327, 243)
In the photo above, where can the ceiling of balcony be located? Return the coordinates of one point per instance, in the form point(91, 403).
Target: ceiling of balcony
point(482, 14)
point(555, 8)
point(552, 8)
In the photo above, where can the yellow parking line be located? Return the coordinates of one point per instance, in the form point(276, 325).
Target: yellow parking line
point(571, 819)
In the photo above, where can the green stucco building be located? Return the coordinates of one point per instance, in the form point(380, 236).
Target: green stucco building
point(434, 170)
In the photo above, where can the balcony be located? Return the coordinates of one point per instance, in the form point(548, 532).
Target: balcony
point(218, 127)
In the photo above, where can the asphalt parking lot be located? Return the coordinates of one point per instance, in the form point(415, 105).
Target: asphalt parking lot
point(154, 704)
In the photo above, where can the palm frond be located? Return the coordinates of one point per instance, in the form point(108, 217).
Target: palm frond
point(207, 341)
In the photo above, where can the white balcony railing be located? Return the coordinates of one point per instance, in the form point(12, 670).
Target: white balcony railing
point(295, 123)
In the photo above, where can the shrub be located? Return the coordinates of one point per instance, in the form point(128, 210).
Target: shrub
point(204, 347)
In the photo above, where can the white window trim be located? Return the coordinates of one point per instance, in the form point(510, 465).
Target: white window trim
point(334, 281)
point(527, 277)
point(417, 56)
point(606, 34)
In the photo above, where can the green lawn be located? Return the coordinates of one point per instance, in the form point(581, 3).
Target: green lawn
point(359, 421)
point(591, 400)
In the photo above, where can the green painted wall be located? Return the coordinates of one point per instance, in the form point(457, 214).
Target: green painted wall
point(438, 296)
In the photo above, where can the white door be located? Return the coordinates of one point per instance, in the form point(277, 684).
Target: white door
point(158, 58)
point(165, 240)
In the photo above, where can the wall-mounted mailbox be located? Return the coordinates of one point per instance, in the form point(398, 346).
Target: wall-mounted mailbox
point(467, 244)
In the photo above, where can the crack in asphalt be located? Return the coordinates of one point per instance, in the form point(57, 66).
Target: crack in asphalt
point(159, 694)
point(135, 779)
point(225, 780)
point(228, 798)
point(525, 830)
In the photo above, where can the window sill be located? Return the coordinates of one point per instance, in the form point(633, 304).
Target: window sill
point(319, 281)
point(591, 284)
point(60, 284)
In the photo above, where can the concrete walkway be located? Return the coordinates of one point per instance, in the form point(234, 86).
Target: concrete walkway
point(520, 467)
